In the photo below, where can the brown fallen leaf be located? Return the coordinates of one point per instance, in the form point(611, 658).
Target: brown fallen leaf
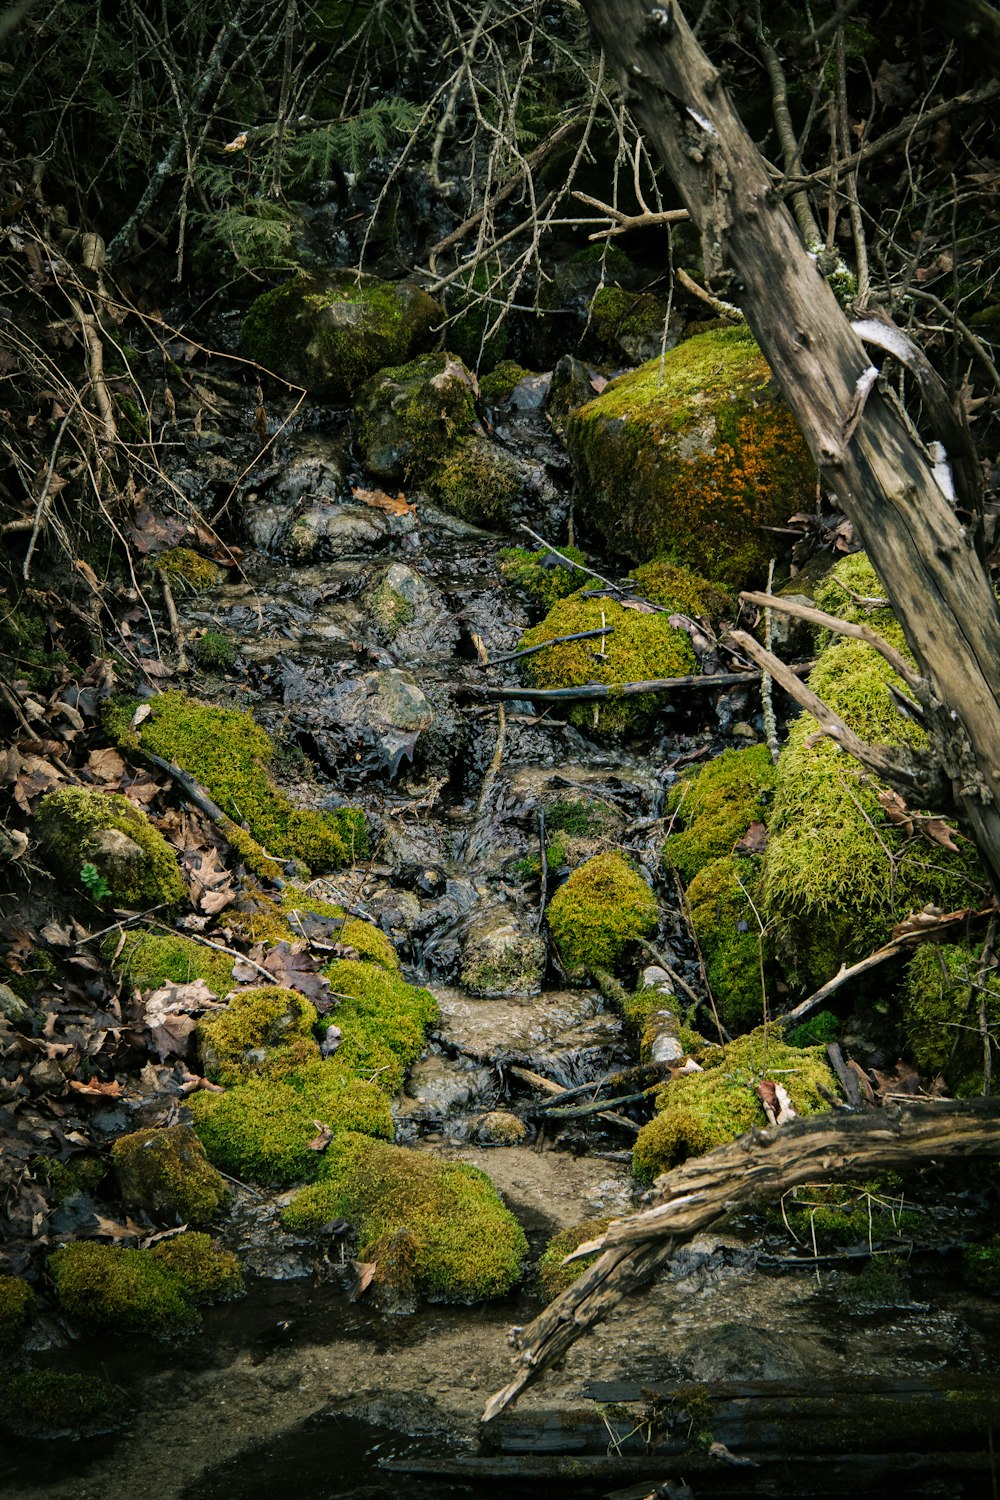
point(754, 841)
point(397, 505)
point(97, 1090)
point(106, 765)
point(320, 1141)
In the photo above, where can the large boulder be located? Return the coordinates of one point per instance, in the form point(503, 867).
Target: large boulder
point(330, 331)
point(409, 415)
point(691, 457)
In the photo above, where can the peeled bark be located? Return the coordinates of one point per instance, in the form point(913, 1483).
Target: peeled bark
point(881, 478)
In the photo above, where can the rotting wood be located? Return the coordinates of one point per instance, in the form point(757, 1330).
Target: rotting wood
point(757, 1168)
point(594, 690)
point(880, 476)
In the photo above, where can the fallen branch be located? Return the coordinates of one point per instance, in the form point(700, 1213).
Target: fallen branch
point(575, 566)
point(758, 1167)
point(591, 690)
point(813, 616)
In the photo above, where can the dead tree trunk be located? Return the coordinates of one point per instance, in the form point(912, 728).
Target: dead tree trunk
point(879, 475)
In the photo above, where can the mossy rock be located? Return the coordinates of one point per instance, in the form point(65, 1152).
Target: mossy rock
point(228, 753)
point(390, 605)
point(297, 914)
point(837, 874)
point(330, 331)
point(642, 647)
point(67, 1179)
point(382, 1021)
point(716, 804)
point(469, 334)
point(690, 457)
point(17, 1306)
point(262, 1129)
point(408, 416)
point(843, 591)
point(44, 1405)
point(721, 900)
point(206, 1271)
point(497, 387)
point(77, 826)
point(189, 569)
point(835, 1214)
point(941, 1000)
point(553, 1276)
point(267, 1030)
point(600, 912)
point(626, 327)
point(682, 591)
point(121, 1291)
point(215, 651)
point(435, 1228)
point(150, 960)
point(478, 482)
point(499, 958)
point(703, 1110)
point(541, 576)
point(165, 1172)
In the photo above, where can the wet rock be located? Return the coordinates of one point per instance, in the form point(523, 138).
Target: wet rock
point(12, 1007)
point(500, 1128)
point(666, 459)
point(441, 1087)
point(501, 958)
point(410, 614)
point(378, 717)
point(322, 529)
point(565, 1035)
point(330, 331)
point(409, 415)
point(573, 384)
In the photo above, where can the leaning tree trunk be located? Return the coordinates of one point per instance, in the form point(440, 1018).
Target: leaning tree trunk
point(865, 456)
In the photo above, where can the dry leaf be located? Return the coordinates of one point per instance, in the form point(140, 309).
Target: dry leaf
point(98, 1090)
point(87, 572)
point(106, 765)
point(142, 712)
point(365, 1271)
point(754, 841)
point(156, 668)
point(320, 1141)
point(395, 505)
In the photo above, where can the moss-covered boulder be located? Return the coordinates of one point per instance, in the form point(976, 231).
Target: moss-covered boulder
point(553, 1276)
point(480, 482)
point(150, 960)
point(627, 327)
point(408, 416)
point(165, 1172)
point(721, 901)
point(434, 1228)
point(77, 826)
point(228, 753)
point(500, 958)
point(44, 1405)
point(206, 1271)
point(600, 912)
point(330, 331)
point(268, 1031)
point(121, 1291)
point(540, 576)
point(716, 805)
point(700, 1111)
point(944, 990)
point(265, 1129)
point(17, 1305)
point(382, 1021)
point(691, 459)
point(297, 914)
point(682, 591)
point(638, 648)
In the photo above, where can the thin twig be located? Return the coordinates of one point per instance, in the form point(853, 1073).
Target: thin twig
point(557, 640)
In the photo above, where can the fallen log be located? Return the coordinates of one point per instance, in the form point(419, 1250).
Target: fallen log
point(759, 1167)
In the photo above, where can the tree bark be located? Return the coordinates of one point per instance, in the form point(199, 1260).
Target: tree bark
point(878, 474)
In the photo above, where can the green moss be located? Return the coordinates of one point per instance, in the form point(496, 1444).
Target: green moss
point(477, 482)
point(692, 458)
point(266, 1029)
point(553, 1276)
point(45, 1405)
point(409, 416)
point(69, 825)
point(837, 874)
point(180, 565)
point(642, 647)
point(122, 1291)
point(498, 386)
point(437, 1228)
point(388, 611)
point(941, 1000)
point(981, 1266)
point(17, 1305)
point(625, 324)
point(539, 575)
point(716, 805)
point(703, 1110)
point(215, 651)
point(851, 580)
point(228, 753)
point(81, 1174)
point(261, 1129)
point(22, 646)
point(369, 941)
point(382, 1021)
point(165, 1172)
point(467, 334)
point(149, 961)
point(683, 592)
point(206, 1271)
point(831, 1215)
point(720, 902)
point(600, 911)
point(817, 1031)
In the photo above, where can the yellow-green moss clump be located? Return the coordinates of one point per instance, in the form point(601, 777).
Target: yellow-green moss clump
point(844, 591)
point(77, 826)
point(215, 651)
point(716, 805)
point(330, 331)
point(721, 900)
point(690, 457)
point(228, 753)
point(941, 1000)
point(477, 481)
point(435, 1228)
point(292, 916)
point(642, 647)
point(142, 1291)
point(183, 566)
point(45, 1405)
point(837, 874)
point(17, 1304)
point(498, 386)
point(409, 416)
point(553, 1276)
point(150, 960)
point(165, 1172)
point(703, 1110)
point(261, 1129)
point(601, 910)
point(539, 575)
point(382, 1021)
point(681, 591)
point(268, 1030)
